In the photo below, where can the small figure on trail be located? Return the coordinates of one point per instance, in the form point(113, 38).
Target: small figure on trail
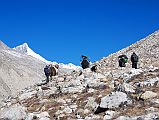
point(134, 60)
point(122, 60)
point(47, 72)
point(85, 63)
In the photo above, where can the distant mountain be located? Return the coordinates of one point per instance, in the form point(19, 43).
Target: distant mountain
point(25, 49)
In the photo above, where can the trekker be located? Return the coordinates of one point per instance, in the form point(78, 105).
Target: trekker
point(85, 63)
point(134, 60)
point(122, 60)
point(47, 72)
point(53, 71)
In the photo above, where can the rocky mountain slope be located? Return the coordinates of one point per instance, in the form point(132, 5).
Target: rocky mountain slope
point(17, 71)
point(146, 49)
point(111, 93)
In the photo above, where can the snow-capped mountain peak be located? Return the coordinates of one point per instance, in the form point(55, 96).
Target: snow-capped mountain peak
point(25, 49)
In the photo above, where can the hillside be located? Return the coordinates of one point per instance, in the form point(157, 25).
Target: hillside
point(146, 49)
point(17, 71)
point(111, 93)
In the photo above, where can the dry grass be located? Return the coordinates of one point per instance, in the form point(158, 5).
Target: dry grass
point(135, 110)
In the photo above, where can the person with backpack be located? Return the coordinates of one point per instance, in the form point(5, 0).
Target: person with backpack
point(85, 62)
point(47, 72)
point(122, 59)
point(134, 60)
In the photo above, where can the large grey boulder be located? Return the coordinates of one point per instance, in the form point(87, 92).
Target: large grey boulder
point(114, 100)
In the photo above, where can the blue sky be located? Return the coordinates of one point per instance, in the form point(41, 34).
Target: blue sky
point(63, 30)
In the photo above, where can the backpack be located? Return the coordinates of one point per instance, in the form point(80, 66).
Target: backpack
point(123, 58)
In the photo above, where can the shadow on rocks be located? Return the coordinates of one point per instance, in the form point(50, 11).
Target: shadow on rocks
point(100, 110)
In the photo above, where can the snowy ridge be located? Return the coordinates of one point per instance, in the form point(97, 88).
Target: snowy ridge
point(24, 49)
point(69, 66)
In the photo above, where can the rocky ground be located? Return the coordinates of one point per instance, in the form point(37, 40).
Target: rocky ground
point(85, 95)
point(111, 93)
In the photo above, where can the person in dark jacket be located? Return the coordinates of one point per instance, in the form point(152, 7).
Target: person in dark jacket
point(85, 63)
point(122, 59)
point(134, 60)
point(47, 72)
